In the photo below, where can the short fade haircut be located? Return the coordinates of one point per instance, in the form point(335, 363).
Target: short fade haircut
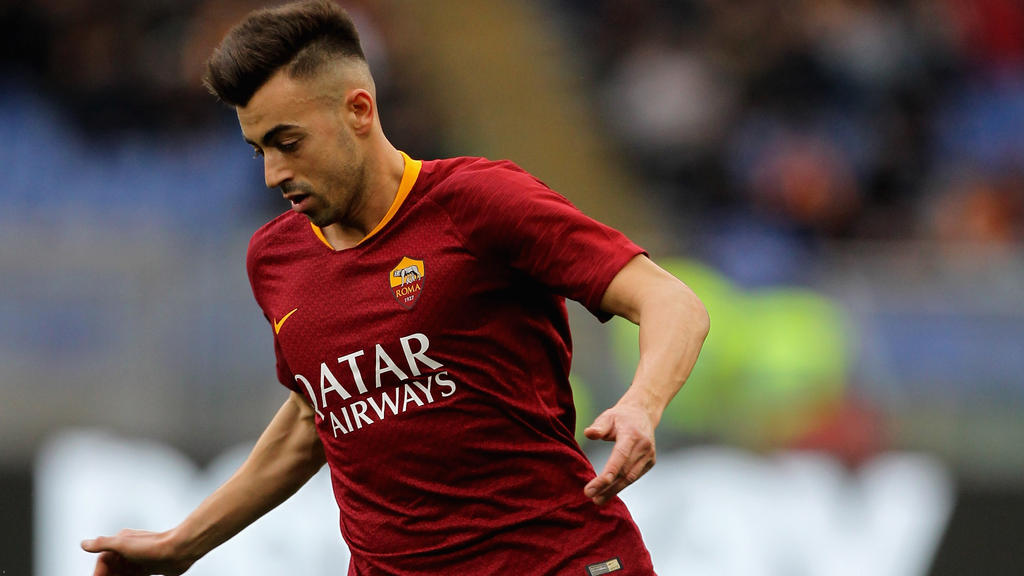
point(300, 36)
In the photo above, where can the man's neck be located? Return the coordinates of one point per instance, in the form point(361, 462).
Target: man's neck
point(384, 178)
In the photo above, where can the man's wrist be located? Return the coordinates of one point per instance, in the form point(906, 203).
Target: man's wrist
point(183, 545)
point(639, 398)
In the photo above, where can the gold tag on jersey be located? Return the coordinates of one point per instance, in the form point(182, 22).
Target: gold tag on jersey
point(612, 565)
point(407, 281)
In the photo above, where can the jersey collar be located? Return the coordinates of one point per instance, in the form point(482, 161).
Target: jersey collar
point(409, 175)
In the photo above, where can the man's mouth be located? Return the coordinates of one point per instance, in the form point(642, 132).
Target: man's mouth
point(298, 194)
point(298, 199)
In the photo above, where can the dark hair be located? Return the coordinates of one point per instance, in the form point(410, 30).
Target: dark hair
point(301, 36)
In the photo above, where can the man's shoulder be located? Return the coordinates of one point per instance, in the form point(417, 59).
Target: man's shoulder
point(283, 224)
point(468, 171)
point(270, 236)
point(469, 182)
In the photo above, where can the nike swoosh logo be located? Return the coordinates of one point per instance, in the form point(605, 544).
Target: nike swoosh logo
point(279, 323)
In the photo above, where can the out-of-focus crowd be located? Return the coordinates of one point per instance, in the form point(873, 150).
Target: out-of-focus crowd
point(778, 124)
point(756, 124)
point(119, 64)
point(103, 108)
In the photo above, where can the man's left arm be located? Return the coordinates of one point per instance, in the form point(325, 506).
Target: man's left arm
point(673, 324)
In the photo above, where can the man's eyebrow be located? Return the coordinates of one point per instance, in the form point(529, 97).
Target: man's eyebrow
point(271, 134)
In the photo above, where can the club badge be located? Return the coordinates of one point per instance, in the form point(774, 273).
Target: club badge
point(407, 281)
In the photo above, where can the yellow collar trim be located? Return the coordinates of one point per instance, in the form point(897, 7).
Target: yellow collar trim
point(409, 176)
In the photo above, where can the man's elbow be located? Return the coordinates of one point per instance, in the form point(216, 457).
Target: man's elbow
point(674, 301)
point(696, 313)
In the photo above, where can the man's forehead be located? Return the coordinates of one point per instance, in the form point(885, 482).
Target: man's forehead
point(284, 99)
point(280, 95)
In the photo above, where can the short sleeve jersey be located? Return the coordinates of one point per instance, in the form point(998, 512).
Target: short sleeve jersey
point(436, 356)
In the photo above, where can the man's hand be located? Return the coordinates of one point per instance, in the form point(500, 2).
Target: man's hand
point(633, 454)
point(136, 553)
point(285, 457)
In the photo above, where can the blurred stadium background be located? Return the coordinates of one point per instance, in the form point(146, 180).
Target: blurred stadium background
point(842, 181)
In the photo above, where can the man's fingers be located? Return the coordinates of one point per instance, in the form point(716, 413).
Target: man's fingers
point(614, 485)
point(639, 469)
point(600, 429)
point(107, 564)
point(111, 561)
point(630, 459)
point(597, 486)
point(632, 454)
point(95, 544)
point(613, 469)
point(607, 488)
point(123, 542)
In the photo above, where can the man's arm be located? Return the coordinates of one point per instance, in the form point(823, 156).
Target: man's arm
point(673, 324)
point(285, 457)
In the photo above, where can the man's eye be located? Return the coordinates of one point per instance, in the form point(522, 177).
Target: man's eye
point(288, 145)
point(257, 153)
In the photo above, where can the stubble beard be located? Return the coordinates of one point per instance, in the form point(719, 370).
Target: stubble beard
point(350, 193)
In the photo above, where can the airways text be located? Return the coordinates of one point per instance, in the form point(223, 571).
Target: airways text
point(419, 381)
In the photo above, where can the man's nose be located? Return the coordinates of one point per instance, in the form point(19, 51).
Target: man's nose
point(275, 170)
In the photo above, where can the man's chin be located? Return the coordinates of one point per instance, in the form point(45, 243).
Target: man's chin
point(319, 219)
point(318, 222)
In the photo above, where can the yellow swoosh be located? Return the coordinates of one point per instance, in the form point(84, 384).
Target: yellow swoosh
point(278, 324)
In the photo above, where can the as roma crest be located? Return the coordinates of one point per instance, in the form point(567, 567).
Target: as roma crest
point(407, 281)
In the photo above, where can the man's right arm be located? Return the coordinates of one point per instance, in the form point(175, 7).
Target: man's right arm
point(285, 457)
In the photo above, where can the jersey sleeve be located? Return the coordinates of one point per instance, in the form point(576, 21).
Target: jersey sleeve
point(284, 373)
point(507, 214)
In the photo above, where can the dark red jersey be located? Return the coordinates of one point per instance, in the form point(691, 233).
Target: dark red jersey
point(436, 355)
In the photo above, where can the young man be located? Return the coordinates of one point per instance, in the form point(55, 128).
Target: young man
point(419, 322)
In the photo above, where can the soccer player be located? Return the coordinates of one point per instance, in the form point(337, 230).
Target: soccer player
point(419, 322)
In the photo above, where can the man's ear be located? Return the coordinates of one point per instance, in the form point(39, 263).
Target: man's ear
point(360, 110)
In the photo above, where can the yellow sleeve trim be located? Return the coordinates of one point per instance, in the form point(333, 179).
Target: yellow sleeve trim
point(409, 176)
